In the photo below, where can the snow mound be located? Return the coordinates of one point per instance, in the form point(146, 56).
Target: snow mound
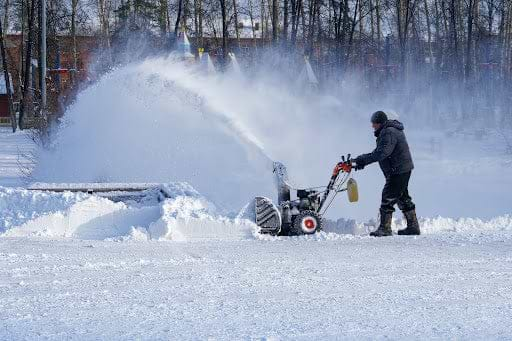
point(185, 215)
point(92, 218)
point(188, 218)
point(18, 206)
point(428, 225)
point(441, 224)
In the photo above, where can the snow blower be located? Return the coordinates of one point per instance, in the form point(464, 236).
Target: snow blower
point(302, 215)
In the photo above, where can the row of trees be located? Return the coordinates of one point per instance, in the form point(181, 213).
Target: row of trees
point(456, 48)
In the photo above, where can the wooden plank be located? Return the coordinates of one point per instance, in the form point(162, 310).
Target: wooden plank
point(93, 187)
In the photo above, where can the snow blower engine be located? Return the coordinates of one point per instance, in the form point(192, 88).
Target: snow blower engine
point(302, 215)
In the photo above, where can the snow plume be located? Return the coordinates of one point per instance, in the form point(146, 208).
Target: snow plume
point(143, 123)
point(163, 120)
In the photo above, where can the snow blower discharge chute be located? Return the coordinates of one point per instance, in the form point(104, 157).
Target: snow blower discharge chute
point(302, 215)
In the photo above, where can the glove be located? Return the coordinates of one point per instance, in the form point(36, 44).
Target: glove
point(359, 164)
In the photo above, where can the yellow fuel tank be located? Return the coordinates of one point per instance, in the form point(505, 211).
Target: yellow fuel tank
point(352, 191)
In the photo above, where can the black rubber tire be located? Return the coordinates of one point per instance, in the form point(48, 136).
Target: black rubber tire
point(298, 221)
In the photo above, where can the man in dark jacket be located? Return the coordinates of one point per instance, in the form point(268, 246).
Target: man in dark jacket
point(395, 160)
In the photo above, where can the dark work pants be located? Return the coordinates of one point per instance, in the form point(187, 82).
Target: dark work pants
point(396, 192)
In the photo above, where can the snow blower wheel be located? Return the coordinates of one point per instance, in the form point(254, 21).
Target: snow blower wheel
point(307, 222)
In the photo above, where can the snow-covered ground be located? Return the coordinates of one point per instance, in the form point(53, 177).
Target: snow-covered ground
point(183, 261)
point(445, 286)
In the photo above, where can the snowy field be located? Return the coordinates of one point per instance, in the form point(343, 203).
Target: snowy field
point(182, 260)
point(78, 267)
point(445, 286)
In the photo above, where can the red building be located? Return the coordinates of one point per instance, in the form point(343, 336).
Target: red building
point(5, 117)
point(62, 76)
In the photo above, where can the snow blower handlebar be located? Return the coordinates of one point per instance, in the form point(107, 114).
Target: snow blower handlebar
point(345, 166)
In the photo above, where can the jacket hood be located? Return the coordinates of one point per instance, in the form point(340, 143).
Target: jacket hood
point(395, 124)
point(389, 123)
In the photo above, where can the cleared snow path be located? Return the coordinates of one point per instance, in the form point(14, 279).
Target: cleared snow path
point(445, 286)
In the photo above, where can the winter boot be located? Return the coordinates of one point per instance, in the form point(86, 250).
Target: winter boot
point(413, 227)
point(384, 229)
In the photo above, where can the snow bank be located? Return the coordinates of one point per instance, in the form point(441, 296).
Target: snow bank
point(92, 218)
point(440, 224)
point(18, 206)
point(192, 217)
point(185, 215)
point(428, 225)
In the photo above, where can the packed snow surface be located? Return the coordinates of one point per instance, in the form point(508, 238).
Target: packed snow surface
point(445, 286)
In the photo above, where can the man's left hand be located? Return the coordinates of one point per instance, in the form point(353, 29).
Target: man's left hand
point(359, 164)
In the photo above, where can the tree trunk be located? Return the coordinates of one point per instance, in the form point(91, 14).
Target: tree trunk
point(235, 14)
point(196, 18)
point(224, 29)
point(26, 100)
point(296, 9)
point(455, 39)
point(429, 35)
point(162, 16)
point(275, 18)
point(285, 21)
point(262, 19)
point(379, 20)
point(104, 15)
point(178, 18)
point(469, 42)
point(21, 65)
point(7, 5)
point(74, 5)
point(490, 15)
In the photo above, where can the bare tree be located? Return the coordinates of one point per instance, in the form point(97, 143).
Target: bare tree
point(224, 29)
point(27, 98)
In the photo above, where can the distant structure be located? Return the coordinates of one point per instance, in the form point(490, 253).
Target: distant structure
point(206, 62)
point(307, 75)
point(233, 64)
point(183, 49)
point(5, 116)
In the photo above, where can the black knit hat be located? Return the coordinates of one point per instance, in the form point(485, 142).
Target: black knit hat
point(379, 117)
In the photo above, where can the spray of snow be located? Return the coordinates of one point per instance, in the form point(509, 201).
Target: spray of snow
point(155, 130)
point(163, 120)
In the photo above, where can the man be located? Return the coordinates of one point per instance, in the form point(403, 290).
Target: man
point(395, 161)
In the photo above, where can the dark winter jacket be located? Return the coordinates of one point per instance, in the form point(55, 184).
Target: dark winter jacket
point(392, 150)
